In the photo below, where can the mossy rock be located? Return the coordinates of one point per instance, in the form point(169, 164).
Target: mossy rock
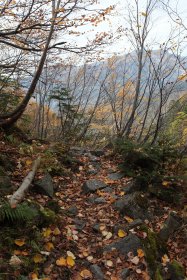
point(53, 205)
point(170, 193)
point(47, 216)
point(154, 248)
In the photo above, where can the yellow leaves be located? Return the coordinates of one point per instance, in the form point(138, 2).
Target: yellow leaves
point(37, 258)
point(165, 259)
point(19, 242)
point(140, 253)
point(85, 274)
point(61, 262)
point(56, 231)
point(128, 219)
point(165, 183)
point(121, 233)
point(49, 246)
point(47, 232)
point(70, 261)
point(28, 162)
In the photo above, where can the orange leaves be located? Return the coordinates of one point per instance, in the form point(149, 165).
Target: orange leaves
point(49, 246)
point(86, 274)
point(140, 253)
point(61, 262)
point(37, 258)
point(69, 261)
point(19, 242)
point(165, 260)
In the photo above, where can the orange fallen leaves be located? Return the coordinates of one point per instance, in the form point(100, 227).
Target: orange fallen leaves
point(19, 242)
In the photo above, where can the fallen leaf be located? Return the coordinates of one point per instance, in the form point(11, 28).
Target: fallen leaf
point(56, 231)
point(28, 162)
point(138, 271)
point(135, 260)
point(90, 258)
point(140, 253)
point(61, 262)
point(70, 261)
point(121, 233)
point(128, 219)
point(104, 233)
point(109, 263)
point(108, 236)
point(37, 258)
point(70, 254)
point(165, 183)
point(86, 274)
point(34, 276)
point(165, 259)
point(47, 232)
point(49, 246)
point(19, 242)
point(15, 261)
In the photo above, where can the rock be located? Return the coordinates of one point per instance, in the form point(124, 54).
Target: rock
point(7, 163)
point(135, 223)
point(5, 182)
point(92, 186)
point(72, 210)
point(176, 271)
point(100, 200)
point(131, 187)
point(115, 176)
point(125, 273)
point(133, 205)
point(97, 272)
point(97, 153)
point(80, 224)
point(107, 190)
point(172, 223)
point(92, 172)
point(130, 243)
point(45, 185)
point(96, 227)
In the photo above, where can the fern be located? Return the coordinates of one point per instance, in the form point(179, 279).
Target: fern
point(23, 212)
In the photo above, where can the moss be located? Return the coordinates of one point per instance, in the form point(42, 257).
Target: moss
point(176, 270)
point(154, 248)
point(158, 275)
point(48, 216)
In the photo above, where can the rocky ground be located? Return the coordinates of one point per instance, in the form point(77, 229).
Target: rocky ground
point(103, 226)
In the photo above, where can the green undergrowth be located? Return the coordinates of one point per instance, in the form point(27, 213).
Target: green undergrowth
point(155, 168)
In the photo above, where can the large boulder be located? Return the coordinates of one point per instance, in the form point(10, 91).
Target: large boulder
point(45, 185)
point(93, 185)
point(133, 205)
point(172, 223)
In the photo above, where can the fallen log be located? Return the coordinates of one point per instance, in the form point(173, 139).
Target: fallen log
point(20, 193)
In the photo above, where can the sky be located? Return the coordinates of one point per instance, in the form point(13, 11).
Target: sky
point(161, 28)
